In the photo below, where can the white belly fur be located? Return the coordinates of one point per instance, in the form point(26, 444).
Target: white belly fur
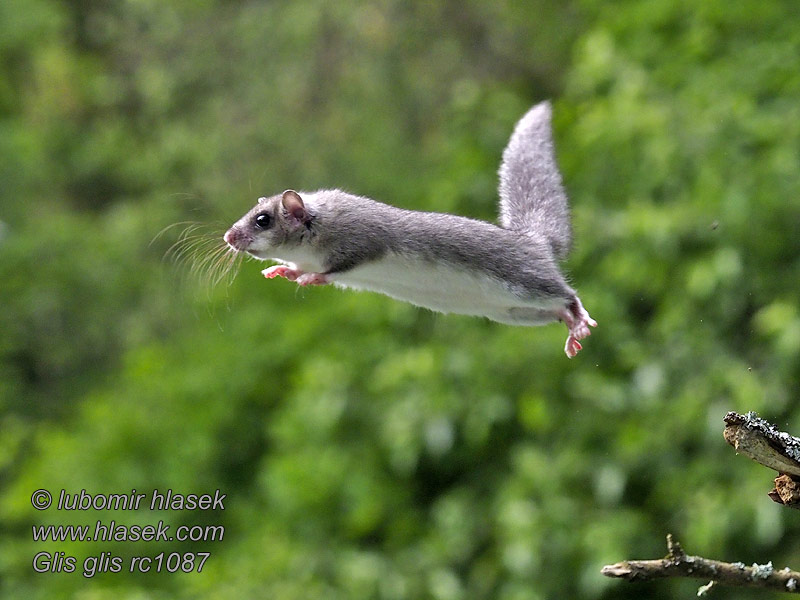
point(447, 289)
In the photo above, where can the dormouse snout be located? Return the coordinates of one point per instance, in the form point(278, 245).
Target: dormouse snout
point(236, 239)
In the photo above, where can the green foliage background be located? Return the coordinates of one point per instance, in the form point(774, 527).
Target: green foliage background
point(370, 449)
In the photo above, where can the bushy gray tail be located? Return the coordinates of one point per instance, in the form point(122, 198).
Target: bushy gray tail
point(532, 198)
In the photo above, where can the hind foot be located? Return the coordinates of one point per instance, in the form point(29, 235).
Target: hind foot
point(578, 322)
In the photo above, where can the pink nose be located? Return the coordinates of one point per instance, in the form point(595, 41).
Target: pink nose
point(230, 238)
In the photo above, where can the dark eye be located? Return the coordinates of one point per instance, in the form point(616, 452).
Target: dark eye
point(263, 221)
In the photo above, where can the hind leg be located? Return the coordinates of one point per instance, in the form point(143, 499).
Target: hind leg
point(578, 322)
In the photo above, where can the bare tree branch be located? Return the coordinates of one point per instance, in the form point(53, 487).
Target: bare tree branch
point(679, 564)
point(764, 443)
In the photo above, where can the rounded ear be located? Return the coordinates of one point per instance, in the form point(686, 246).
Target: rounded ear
point(293, 204)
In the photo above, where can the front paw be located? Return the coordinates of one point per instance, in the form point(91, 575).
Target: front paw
point(312, 279)
point(282, 271)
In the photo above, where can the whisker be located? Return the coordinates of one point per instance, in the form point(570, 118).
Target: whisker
point(189, 225)
point(201, 253)
point(206, 264)
point(226, 268)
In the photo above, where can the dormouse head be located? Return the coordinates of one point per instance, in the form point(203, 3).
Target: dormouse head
point(272, 223)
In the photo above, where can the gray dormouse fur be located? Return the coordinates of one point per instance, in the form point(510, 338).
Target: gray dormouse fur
point(532, 198)
point(440, 261)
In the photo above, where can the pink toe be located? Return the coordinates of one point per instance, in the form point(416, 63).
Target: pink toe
point(573, 347)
